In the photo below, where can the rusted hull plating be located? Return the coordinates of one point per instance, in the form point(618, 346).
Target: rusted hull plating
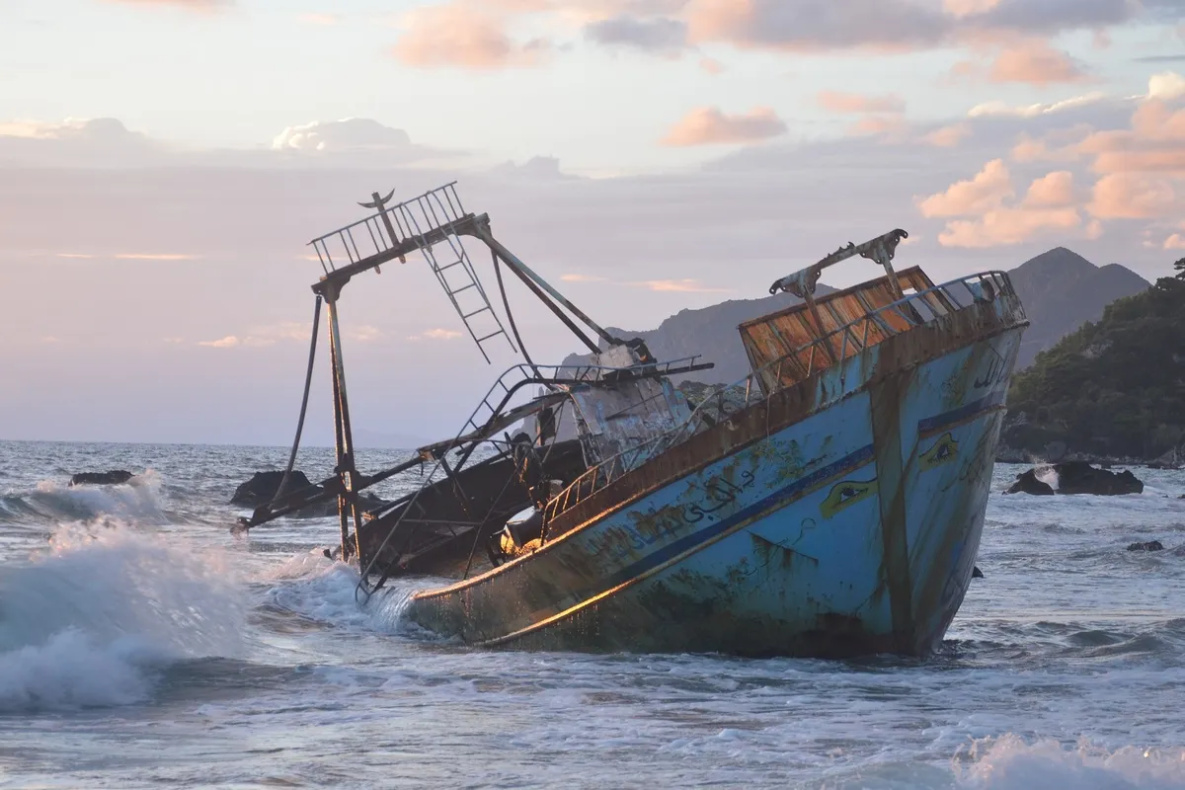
point(839, 517)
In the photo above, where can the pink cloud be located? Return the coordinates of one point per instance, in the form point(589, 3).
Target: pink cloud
point(985, 191)
point(1054, 190)
point(838, 102)
point(679, 286)
point(462, 36)
point(1006, 226)
point(948, 136)
point(1034, 63)
point(1132, 196)
point(1175, 242)
point(710, 126)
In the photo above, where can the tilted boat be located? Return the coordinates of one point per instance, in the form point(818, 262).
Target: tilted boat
point(830, 504)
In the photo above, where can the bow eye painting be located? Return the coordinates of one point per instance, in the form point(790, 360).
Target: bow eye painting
point(592, 394)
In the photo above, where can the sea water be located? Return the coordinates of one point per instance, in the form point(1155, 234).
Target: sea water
point(143, 646)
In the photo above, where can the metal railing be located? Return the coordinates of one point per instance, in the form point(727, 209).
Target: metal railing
point(917, 309)
point(502, 389)
point(436, 209)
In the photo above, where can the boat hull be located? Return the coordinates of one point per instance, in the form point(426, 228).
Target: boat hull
point(838, 517)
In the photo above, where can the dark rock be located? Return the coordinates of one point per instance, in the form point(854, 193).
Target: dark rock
point(1152, 545)
point(262, 487)
point(261, 490)
point(113, 478)
point(1078, 477)
point(976, 573)
point(1027, 483)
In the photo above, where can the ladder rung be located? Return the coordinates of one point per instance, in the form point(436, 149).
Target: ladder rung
point(467, 316)
point(462, 288)
point(449, 266)
point(492, 334)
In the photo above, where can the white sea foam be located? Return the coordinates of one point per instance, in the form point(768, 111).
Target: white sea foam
point(138, 500)
point(326, 591)
point(1013, 763)
point(87, 622)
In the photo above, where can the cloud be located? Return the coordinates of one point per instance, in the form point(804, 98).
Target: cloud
point(899, 25)
point(1053, 190)
point(230, 341)
point(710, 126)
point(348, 134)
point(658, 35)
point(679, 286)
point(985, 191)
point(1175, 242)
point(1166, 86)
point(437, 334)
point(948, 136)
point(1034, 110)
point(1132, 196)
point(1035, 63)
point(151, 256)
point(987, 218)
point(462, 36)
point(581, 278)
point(838, 102)
point(363, 334)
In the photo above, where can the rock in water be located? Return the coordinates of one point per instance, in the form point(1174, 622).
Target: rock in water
point(976, 573)
point(262, 487)
point(1152, 545)
point(1027, 483)
point(1078, 477)
point(113, 478)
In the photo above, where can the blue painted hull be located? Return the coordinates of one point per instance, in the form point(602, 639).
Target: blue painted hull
point(840, 518)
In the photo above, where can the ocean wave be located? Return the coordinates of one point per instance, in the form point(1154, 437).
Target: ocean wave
point(139, 500)
point(88, 622)
point(323, 590)
point(1011, 762)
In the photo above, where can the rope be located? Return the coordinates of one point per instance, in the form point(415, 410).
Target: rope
point(304, 405)
point(510, 315)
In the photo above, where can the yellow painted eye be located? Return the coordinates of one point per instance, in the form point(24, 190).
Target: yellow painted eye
point(945, 450)
point(845, 494)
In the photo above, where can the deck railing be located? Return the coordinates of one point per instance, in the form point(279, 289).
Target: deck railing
point(914, 310)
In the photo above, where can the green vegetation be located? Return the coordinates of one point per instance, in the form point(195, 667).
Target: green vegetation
point(1113, 388)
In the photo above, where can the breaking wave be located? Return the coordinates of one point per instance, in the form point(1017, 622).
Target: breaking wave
point(1013, 763)
point(138, 500)
point(91, 621)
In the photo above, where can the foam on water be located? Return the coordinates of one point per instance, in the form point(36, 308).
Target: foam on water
point(1012, 763)
point(325, 590)
point(136, 500)
point(86, 622)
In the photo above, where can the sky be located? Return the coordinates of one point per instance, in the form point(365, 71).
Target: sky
point(163, 164)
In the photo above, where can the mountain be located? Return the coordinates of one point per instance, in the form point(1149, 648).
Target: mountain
point(1061, 291)
point(710, 332)
point(1115, 388)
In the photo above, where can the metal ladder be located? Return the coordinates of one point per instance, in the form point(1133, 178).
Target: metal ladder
point(438, 209)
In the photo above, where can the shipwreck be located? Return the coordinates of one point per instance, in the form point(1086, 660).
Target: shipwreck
point(830, 504)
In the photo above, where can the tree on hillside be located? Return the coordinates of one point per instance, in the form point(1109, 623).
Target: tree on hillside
point(1180, 267)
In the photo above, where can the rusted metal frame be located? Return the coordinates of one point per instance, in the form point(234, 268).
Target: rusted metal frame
point(320, 258)
point(337, 278)
point(538, 285)
point(343, 441)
